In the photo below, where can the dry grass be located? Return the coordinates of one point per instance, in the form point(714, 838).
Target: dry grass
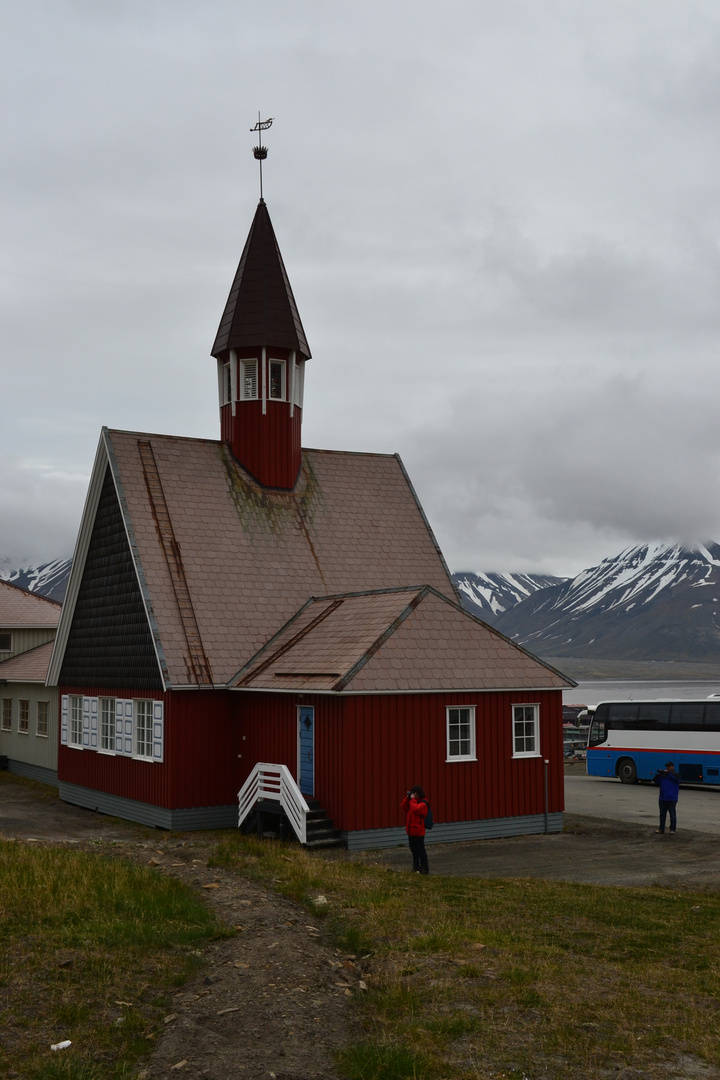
point(481, 978)
point(89, 950)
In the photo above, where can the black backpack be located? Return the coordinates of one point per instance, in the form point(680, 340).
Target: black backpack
point(429, 819)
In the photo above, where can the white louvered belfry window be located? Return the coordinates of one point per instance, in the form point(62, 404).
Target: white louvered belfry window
point(248, 380)
point(277, 380)
point(226, 383)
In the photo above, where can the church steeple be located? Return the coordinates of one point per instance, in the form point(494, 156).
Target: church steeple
point(261, 351)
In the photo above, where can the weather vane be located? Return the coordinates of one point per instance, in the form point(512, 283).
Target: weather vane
point(260, 151)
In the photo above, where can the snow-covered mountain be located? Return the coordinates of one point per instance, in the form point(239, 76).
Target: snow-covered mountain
point(650, 602)
point(49, 579)
point(489, 595)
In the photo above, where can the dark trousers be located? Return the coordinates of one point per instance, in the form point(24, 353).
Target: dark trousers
point(667, 807)
point(417, 846)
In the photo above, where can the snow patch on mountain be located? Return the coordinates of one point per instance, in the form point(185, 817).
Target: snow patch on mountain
point(49, 579)
point(489, 595)
point(639, 604)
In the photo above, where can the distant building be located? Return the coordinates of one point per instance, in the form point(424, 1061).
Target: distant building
point(28, 709)
point(246, 601)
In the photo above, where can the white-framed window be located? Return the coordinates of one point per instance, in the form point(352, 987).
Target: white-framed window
point(277, 380)
point(526, 730)
point(143, 729)
point(7, 714)
point(226, 383)
point(41, 718)
point(248, 380)
point(461, 733)
point(24, 717)
point(5, 642)
point(107, 724)
point(76, 720)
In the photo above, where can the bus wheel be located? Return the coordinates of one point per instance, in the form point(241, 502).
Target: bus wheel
point(626, 770)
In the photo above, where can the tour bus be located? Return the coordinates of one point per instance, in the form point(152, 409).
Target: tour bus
point(633, 739)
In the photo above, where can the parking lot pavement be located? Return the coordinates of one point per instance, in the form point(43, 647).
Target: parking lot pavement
point(600, 797)
point(31, 811)
point(612, 843)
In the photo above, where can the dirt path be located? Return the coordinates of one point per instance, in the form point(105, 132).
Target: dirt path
point(274, 1001)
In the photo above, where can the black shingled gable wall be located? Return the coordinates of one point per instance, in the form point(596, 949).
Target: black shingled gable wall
point(109, 644)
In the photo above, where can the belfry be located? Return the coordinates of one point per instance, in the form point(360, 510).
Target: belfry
point(261, 351)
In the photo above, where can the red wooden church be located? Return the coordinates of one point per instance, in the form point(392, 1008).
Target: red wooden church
point(244, 600)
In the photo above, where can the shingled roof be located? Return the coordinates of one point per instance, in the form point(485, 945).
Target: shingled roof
point(261, 308)
point(20, 608)
point(400, 640)
point(28, 666)
point(223, 563)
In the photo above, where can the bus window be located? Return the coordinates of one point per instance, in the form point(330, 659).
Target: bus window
point(623, 715)
point(712, 715)
point(654, 714)
point(687, 715)
point(597, 728)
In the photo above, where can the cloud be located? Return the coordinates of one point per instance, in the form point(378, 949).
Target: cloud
point(501, 223)
point(41, 509)
point(526, 485)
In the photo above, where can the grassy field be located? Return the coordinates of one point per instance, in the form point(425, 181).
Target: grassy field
point(513, 978)
point(90, 950)
point(466, 978)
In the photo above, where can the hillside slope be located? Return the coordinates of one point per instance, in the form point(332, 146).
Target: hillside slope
point(650, 602)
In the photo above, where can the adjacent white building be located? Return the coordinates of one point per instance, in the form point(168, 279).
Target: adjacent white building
point(28, 708)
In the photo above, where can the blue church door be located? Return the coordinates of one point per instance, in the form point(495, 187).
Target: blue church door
point(306, 750)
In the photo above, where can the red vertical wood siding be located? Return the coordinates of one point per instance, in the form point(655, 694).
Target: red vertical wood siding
point(368, 752)
point(200, 766)
point(391, 743)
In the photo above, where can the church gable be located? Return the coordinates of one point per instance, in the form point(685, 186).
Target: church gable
point(109, 642)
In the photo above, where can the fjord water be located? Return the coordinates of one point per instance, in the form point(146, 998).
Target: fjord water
point(591, 692)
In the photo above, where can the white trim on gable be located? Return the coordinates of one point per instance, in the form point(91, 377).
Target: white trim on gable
point(103, 458)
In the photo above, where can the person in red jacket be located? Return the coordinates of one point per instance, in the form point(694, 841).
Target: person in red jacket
point(415, 809)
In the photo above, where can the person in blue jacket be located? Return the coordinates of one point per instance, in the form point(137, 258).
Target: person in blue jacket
point(669, 782)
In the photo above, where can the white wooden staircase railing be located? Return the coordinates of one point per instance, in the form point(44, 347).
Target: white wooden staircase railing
point(275, 782)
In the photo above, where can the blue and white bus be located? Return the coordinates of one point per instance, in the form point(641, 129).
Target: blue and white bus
point(633, 739)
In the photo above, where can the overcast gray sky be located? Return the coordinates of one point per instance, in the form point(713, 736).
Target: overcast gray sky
point(500, 218)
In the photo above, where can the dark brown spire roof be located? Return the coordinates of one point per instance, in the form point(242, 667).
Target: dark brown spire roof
point(261, 308)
